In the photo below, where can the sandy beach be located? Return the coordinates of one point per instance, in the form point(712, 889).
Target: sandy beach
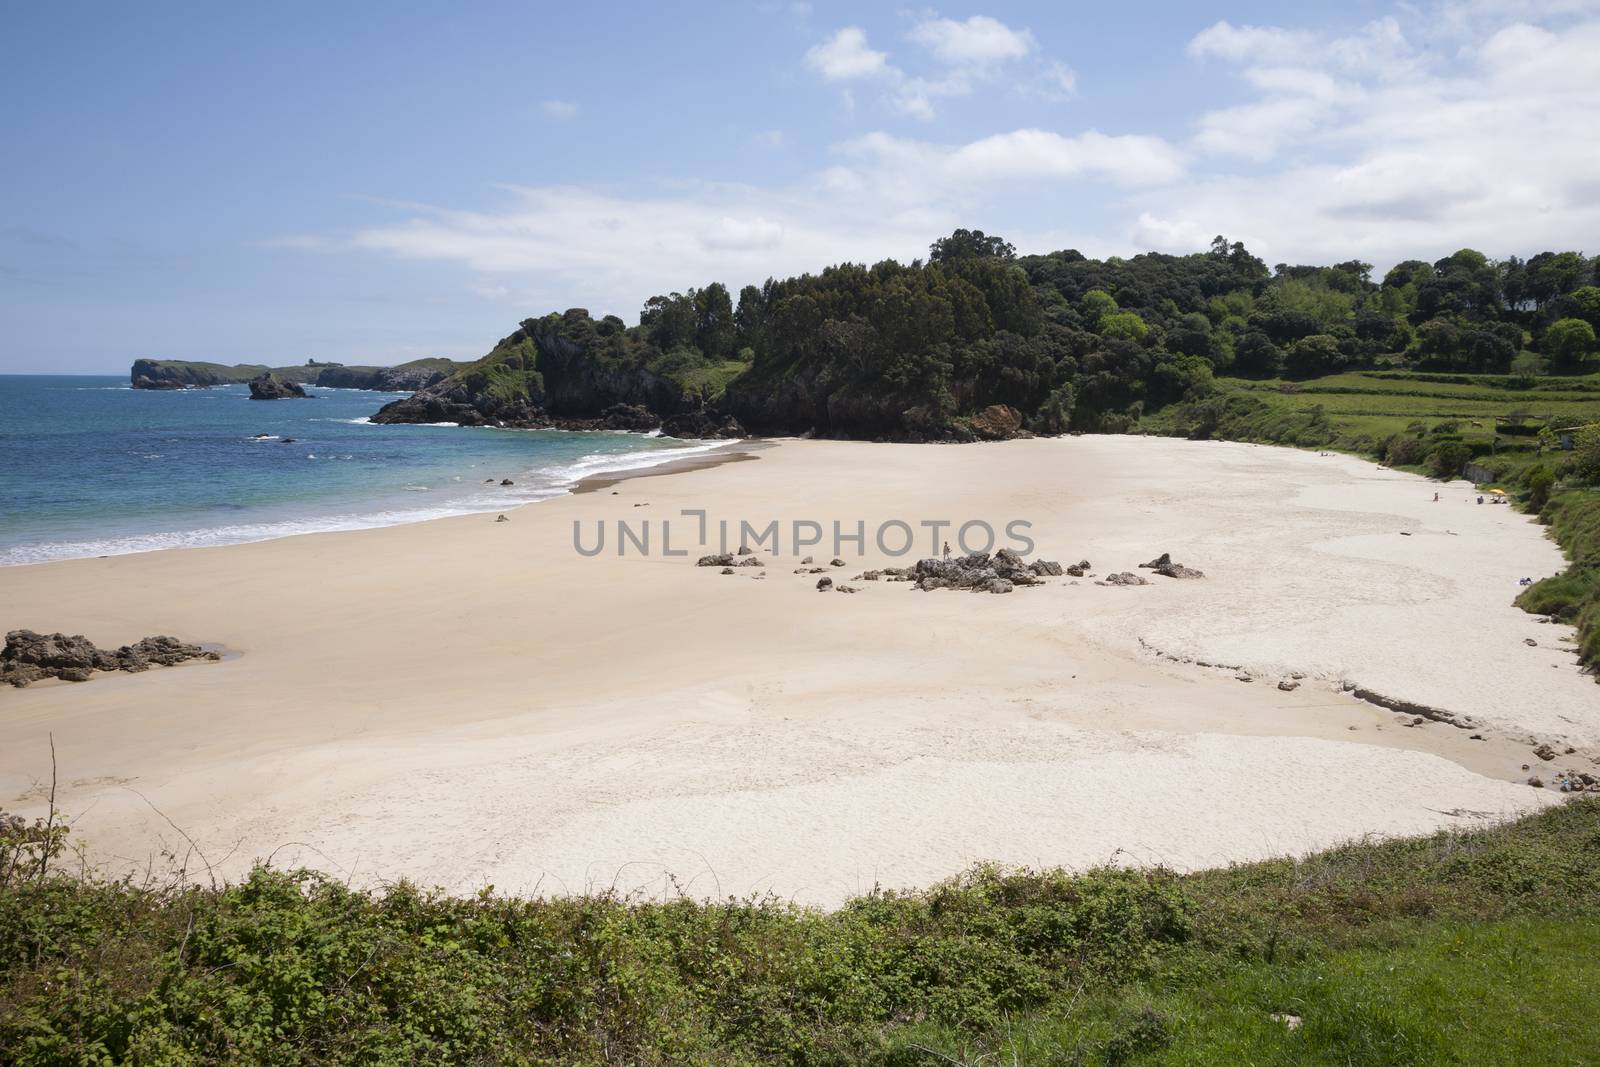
point(466, 702)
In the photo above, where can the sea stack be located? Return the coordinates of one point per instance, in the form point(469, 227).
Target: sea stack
point(271, 387)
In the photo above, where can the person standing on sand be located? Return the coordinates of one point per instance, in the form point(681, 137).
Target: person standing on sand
point(947, 550)
point(1435, 498)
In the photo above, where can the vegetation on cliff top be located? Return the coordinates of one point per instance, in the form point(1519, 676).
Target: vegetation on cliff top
point(415, 374)
point(1460, 947)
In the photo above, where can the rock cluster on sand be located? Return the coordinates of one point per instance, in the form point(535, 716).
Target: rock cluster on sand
point(30, 656)
point(981, 572)
point(1163, 564)
point(728, 559)
point(271, 387)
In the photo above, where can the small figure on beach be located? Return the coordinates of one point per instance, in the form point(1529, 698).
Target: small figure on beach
point(1480, 500)
point(1435, 498)
point(947, 550)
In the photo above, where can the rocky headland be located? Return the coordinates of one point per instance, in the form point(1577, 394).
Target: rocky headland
point(185, 374)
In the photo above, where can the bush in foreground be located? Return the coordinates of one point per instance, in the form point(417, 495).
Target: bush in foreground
point(1109, 966)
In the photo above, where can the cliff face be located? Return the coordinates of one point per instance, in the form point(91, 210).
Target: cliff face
point(185, 374)
point(182, 374)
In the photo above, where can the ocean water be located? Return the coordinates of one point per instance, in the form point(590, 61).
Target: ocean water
point(90, 467)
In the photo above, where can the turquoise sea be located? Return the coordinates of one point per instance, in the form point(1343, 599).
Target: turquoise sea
point(90, 467)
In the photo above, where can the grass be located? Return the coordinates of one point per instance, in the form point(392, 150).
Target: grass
point(1515, 991)
point(709, 381)
point(1446, 949)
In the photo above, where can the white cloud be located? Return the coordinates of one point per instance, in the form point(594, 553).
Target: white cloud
point(1362, 145)
point(770, 138)
point(1367, 146)
point(559, 109)
point(1257, 44)
point(965, 56)
point(846, 57)
point(980, 41)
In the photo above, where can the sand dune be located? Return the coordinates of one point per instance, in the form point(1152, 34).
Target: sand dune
point(468, 702)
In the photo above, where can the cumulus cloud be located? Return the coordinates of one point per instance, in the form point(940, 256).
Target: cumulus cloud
point(980, 41)
point(846, 56)
point(965, 56)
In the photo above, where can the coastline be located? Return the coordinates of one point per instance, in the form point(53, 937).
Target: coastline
point(359, 514)
point(461, 701)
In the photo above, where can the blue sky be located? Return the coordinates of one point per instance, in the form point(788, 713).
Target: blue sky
point(374, 183)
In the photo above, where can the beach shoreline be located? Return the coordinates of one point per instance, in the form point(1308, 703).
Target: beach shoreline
point(465, 702)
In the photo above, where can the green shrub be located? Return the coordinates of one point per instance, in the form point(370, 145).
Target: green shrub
point(1448, 460)
point(1403, 450)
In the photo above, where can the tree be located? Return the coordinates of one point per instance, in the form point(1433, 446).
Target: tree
point(748, 319)
point(714, 326)
point(1586, 304)
point(1255, 356)
point(1585, 460)
point(976, 244)
point(1097, 304)
point(1570, 342)
point(1312, 356)
point(1125, 325)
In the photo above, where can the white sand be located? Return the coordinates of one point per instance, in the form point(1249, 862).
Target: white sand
point(465, 702)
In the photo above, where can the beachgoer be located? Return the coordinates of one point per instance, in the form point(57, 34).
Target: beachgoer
point(947, 550)
point(1436, 498)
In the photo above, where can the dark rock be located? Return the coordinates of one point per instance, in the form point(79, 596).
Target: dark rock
point(1124, 578)
point(271, 387)
point(836, 562)
point(1288, 685)
point(728, 570)
point(507, 481)
point(824, 584)
point(1045, 568)
point(1178, 570)
point(28, 656)
point(702, 425)
point(1079, 569)
point(720, 559)
point(1160, 561)
point(630, 417)
point(745, 550)
point(1545, 752)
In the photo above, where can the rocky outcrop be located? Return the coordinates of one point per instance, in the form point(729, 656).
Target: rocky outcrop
point(702, 425)
point(1164, 566)
point(980, 572)
point(28, 656)
point(407, 377)
point(997, 422)
point(565, 372)
point(270, 387)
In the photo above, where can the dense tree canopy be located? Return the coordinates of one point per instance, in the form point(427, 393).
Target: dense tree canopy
point(908, 350)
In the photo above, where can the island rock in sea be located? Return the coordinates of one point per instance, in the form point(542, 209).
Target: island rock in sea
point(269, 387)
